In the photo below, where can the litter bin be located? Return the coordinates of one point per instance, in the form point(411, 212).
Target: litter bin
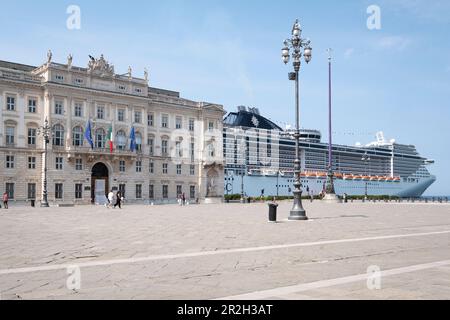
point(273, 212)
point(32, 203)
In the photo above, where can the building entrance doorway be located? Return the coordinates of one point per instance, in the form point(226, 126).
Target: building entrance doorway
point(99, 184)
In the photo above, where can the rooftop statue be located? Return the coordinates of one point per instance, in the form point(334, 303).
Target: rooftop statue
point(100, 65)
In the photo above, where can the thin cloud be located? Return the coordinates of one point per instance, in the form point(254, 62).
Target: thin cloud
point(394, 42)
point(349, 53)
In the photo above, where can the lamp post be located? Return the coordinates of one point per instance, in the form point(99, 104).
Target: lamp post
point(45, 131)
point(301, 47)
point(366, 159)
point(330, 191)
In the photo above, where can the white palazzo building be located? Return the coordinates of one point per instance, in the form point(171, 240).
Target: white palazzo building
point(179, 142)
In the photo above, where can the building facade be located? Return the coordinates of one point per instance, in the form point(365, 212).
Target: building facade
point(163, 145)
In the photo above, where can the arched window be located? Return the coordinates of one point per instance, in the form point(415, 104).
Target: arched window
point(58, 135)
point(77, 136)
point(100, 138)
point(121, 140)
point(138, 142)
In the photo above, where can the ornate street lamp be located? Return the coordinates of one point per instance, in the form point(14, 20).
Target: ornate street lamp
point(301, 47)
point(45, 131)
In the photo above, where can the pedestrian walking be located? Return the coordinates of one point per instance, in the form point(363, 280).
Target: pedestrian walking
point(110, 199)
point(5, 200)
point(118, 200)
point(183, 199)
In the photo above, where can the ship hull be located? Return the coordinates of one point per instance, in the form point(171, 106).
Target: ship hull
point(255, 186)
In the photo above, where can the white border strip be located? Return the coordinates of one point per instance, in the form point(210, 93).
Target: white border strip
point(210, 253)
point(279, 292)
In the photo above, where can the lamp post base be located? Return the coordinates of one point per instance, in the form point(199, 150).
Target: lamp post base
point(298, 213)
point(331, 198)
point(45, 205)
point(298, 216)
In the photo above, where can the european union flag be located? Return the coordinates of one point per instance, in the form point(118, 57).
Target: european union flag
point(132, 140)
point(88, 134)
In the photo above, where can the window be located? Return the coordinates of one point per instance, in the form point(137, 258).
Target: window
point(191, 124)
point(138, 142)
point(32, 105)
point(79, 81)
point(192, 150)
point(100, 138)
point(31, 136)
point(151, 167)
point(100, 112)
point(59, 77)
point(59, 107)
point(178, 122)
point(122, 88)
point(137, 117)
point(192, 192)
point(121, 115)
point(10, 103)
point(151, 191)
point(122, 189)
point(151, 145)
point(9, 162)
point(164, 121)
point(58, 163)
point(138, 166)
point(58, 190)
point(10, 190)
point(122, 165)
point(31, 191)
point(178, 150)
point(139, 191)
point(78, 191)
point(77, 136)
point(211, 126)
point(179, 190)
point(31, 163)
point(10, 135)
point(58, 135)
point(165, 168)
point(79, 164)
point(192, 170)
point(211, 150)
point(164, 147)
point(150, 119)
point(138, 90)
point(78, 109)
point(165, 191)
point(178, 169)
point(121, 140)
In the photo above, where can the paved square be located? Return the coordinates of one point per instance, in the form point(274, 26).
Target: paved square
point(226, 251)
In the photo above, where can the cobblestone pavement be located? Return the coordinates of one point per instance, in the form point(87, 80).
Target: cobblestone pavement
point(226, 251)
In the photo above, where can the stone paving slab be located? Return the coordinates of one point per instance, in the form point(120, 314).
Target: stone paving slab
point(35, 238)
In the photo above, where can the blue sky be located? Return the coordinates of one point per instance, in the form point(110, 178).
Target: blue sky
point(395, 80)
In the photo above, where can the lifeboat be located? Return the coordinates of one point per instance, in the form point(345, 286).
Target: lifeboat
point(374, 178)
point(382, 178)
point(303, 174)
point(357, 177)
point(348, 177)
point(366, 178)
point(310, 175)
point(338, 175)
point(321, 175)
point(397, 179)
point(390, 179)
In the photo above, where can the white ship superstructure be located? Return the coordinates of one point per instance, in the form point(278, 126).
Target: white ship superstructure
point(259, 155)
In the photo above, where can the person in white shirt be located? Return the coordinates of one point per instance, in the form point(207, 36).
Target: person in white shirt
point(111, 199)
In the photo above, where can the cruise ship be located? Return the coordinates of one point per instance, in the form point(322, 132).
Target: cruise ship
point(259, 159)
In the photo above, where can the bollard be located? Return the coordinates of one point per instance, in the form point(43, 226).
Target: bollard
point(273, 212)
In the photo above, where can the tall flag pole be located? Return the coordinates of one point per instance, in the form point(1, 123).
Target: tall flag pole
point(111, 139)
point(88, 134)
point(330, 191)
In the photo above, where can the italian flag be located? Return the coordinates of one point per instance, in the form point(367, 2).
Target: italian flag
point(111, 139)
